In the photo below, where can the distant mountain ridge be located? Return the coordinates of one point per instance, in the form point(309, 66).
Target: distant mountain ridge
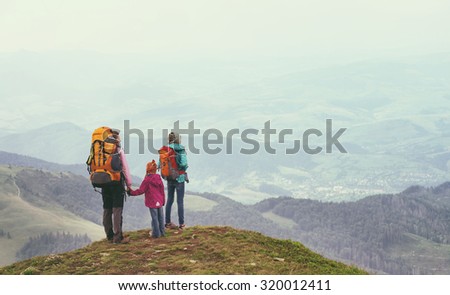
point(26, 214)
point(17, 160)
point(402, 233)
point(58, 143)
point(397, 233)
point(413, 152)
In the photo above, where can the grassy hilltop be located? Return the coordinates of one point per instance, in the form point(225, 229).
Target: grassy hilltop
point(195, 250)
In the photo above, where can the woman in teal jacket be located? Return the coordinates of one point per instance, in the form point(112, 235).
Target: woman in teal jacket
point(177, 185)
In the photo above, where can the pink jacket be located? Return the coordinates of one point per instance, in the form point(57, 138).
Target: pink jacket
point(153, 188)
point(125, 169)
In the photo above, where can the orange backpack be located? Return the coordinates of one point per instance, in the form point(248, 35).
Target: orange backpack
point(168, 163)
point(104, 165)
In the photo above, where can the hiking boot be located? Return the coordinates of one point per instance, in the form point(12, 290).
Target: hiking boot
point(125, 240)
point(182, 226)
point(110, 235)
point(171, 226)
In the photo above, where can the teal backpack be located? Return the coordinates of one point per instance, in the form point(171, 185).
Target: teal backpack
point(181, 156)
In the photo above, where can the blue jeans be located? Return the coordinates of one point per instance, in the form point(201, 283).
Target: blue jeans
point(157, 215)
point(173, 186)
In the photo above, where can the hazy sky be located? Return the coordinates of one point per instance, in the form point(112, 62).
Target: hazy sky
point(227, 27)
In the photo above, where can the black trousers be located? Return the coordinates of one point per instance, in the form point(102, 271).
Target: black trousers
point(113, 199)
point(113, 196)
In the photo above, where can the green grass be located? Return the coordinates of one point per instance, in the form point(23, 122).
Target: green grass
point(195, 250)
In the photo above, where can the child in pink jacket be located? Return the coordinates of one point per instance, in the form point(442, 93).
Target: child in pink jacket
point(155, 199)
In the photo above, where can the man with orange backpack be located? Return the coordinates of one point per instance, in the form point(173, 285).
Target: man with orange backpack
point(173, 166)
point(109, 171)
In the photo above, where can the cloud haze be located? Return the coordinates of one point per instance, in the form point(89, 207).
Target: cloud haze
point(215, 28)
